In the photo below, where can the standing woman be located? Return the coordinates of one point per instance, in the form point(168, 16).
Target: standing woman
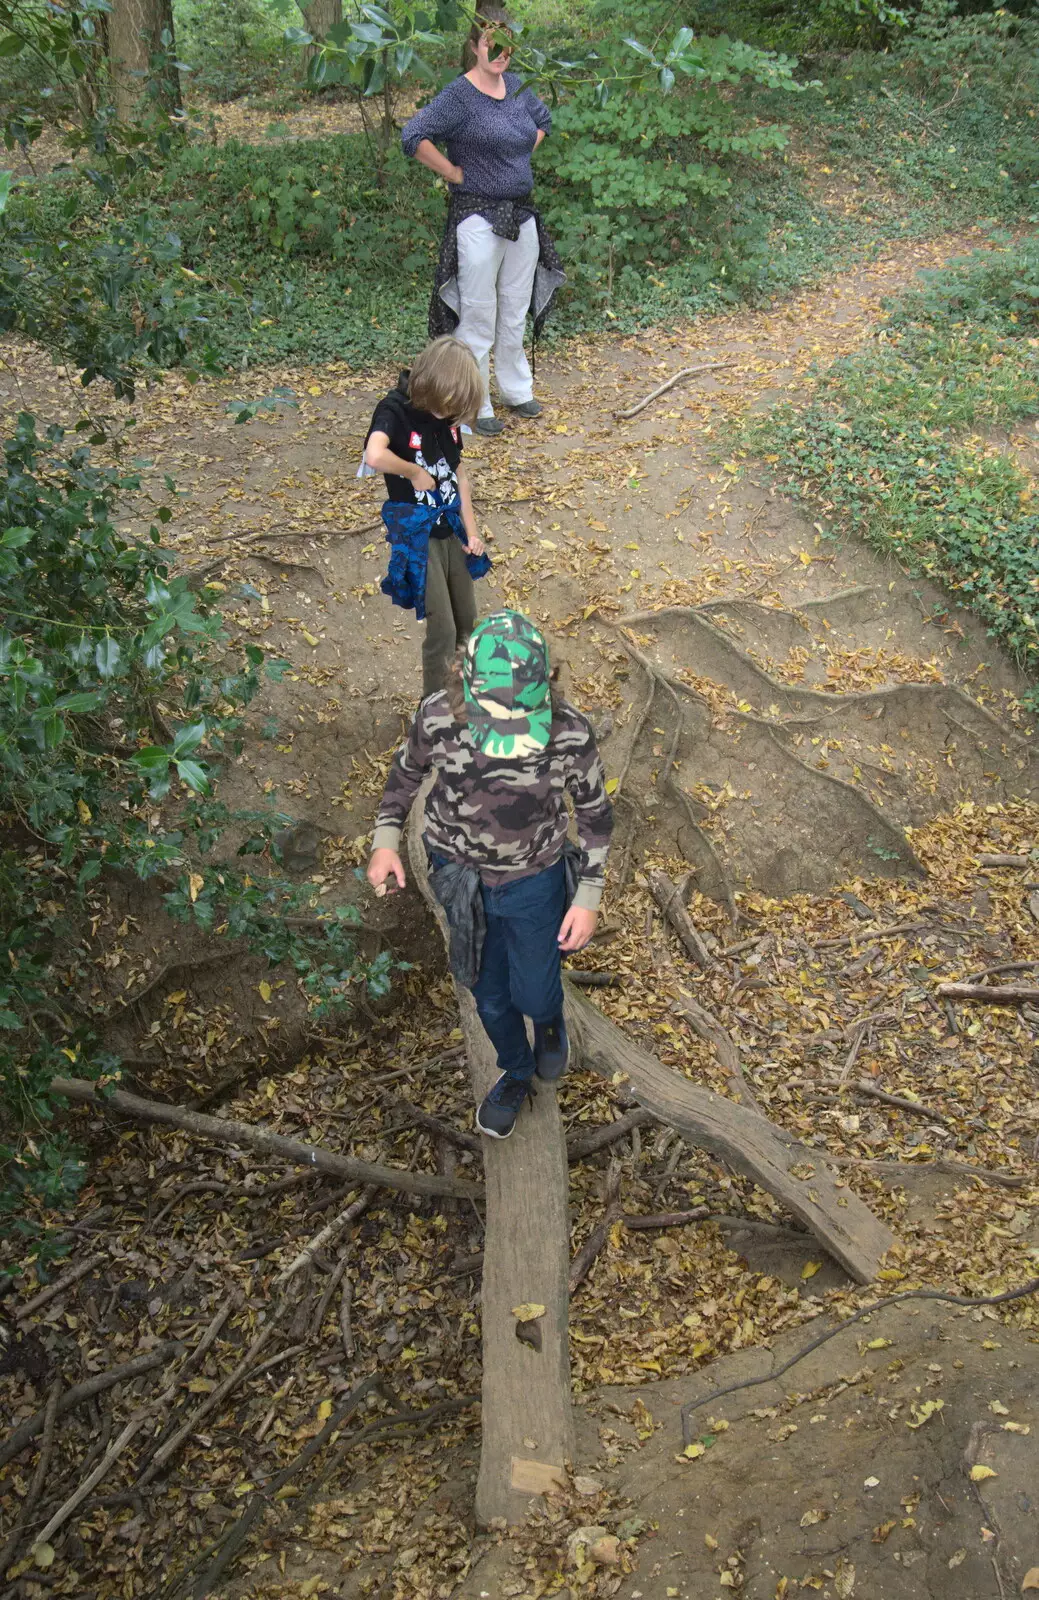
point(496, 260)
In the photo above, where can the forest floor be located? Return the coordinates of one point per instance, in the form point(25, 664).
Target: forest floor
point(848, 747)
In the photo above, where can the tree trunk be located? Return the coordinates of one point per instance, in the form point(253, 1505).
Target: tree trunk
point(320, 15)
point(135, 30)
point(527, 1417)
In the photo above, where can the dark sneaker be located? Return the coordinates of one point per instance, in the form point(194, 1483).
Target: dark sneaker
point(502, 1105)
point(489, 425)
point(529, 408)
point(551, 1050)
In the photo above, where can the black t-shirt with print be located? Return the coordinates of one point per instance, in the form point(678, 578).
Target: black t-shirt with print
point(418, 436)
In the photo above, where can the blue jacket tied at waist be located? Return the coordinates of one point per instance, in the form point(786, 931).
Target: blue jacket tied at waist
point(408, 528)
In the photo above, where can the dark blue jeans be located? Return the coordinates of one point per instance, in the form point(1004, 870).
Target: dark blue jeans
point(520, 969)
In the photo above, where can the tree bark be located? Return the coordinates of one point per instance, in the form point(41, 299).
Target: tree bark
point(254, 1137)
point(527, 1417)
point(320, 15)
point(744, 1139)
point(134, 35)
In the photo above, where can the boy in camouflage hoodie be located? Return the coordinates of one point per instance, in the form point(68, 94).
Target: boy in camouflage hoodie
point(506, 751)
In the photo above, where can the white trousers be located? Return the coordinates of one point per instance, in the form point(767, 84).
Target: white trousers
point(495, 281)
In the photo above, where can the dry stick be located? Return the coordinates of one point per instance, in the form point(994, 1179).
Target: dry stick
point(38, 1478)
point(667, 1219)
point(1007, 966)
point(217, 1397)
point(276, 1361)
point(225, 1131)
point(318, 1321)
point(668, 897)
point(1003, 861)
point(444, 1130)
point(709, 1028)
point(344, 1318)
point(52, 1290)
point(867, 1311)
point(330, 1231)
point(654, 394)
point(583, 1260)
point(108, 1461)
point(873, 934)
point(587, 1144)
point(1010, 994)
point(593, 980)
point(16, 1442)
point(197, 1186)
point(862, 1086)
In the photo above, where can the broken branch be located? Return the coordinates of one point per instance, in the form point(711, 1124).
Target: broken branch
point(587, 1144)
point(863, 1086)
point(1006, 994)
point(585, 1257)
point(668, 897)
point(709, 1028)
point(663, 388)
point(16, 1442)
point(59, 1286)
point(330, 1231)
point(225, 1131)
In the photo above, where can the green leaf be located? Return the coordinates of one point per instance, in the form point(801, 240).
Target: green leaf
point(5, 190)
point(107, 656)
point(194, 776)
point(80, 700)
point(11, 45)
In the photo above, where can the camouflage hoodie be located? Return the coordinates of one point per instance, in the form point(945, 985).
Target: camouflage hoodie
point(507, 817)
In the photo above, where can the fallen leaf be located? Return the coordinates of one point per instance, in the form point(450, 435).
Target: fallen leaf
point(812, 1516)
point(265, 992)
point(1031, 1579)
point(979, 1473)
point(999, 1408)
point(324, 1411)
point(528, 1311)
point(923, 1413)
point(844, 1580)
point(810, 1269)
point(691, 1451)
point(43, 1555)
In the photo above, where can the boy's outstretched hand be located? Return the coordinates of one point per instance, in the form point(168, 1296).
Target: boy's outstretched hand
point(474, 546)
point(386, 872)
point(578, 926)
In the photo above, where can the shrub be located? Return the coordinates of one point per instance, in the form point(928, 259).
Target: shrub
point(121, 696)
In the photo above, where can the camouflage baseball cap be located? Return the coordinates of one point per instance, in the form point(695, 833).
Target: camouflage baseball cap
point(505, 675)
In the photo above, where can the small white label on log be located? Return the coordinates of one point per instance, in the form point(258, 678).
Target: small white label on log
point(536, 1477)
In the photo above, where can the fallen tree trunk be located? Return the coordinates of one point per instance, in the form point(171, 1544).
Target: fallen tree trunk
point(224, 1131)
point(527, 1417)
point(744, 1139)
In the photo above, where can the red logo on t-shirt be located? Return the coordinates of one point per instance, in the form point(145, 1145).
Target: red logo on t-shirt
point(454, 434)
point(415, 442)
